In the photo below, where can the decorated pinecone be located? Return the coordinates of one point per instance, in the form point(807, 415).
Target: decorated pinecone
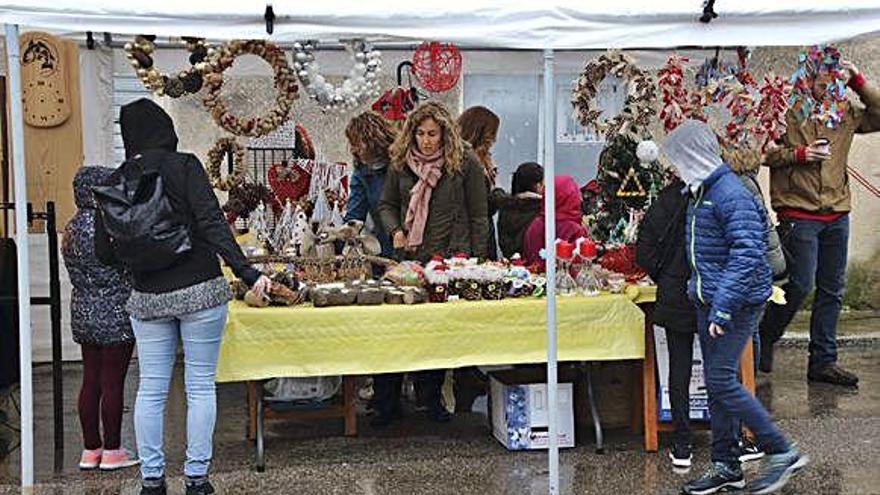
point(438, 293)
point(287, 279)
point(471, 290)
point(493, 291)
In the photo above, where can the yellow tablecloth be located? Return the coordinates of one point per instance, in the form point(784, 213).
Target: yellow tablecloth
point(356, 340)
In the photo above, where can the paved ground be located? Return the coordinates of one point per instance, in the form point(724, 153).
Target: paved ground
point(839, 429)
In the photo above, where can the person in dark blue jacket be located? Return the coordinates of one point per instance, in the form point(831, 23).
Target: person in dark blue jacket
point(369, 136)
point(730, 281)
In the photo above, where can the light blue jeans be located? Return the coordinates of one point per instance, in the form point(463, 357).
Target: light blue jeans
point(201, 333)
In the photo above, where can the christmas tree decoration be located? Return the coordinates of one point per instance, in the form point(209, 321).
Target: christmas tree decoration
point(286, 88)
point(638, 106)
point(819, 63)
point(631, 185)
point(358, 87)
point(437, 66)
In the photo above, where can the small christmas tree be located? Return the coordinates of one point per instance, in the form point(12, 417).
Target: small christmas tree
point(628, 179)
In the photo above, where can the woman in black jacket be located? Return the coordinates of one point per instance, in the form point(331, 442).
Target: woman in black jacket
point(183, 301)
point(661, 252)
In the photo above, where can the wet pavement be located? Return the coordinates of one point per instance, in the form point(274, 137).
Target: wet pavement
point(839, 429)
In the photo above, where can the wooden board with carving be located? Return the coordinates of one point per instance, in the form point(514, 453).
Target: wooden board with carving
point(45, 92)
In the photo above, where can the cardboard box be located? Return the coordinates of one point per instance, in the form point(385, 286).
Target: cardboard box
point(520, 411)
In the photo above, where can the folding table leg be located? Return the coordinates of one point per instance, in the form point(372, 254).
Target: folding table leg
point(260, 454)
point(594, 409)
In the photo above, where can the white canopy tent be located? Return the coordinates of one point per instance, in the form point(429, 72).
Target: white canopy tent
point(548, 26)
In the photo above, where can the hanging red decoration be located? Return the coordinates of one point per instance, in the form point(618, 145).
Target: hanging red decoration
point(437, 65)
point(675, 95)
point(288, 181)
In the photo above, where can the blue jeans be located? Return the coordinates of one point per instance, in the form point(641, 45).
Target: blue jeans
point(818, 251)
point(201, 333)
point(730, 404)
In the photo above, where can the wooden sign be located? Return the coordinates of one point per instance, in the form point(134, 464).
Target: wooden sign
point(45, 92)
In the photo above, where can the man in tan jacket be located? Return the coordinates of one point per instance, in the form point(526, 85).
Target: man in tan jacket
point(809, 190)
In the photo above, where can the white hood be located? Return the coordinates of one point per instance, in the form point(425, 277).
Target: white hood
point(694, 151)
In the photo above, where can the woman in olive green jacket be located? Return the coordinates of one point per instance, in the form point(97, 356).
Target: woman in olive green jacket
point(434, 202)
point(435, 199)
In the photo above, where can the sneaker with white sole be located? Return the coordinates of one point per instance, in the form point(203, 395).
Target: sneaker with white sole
point(721, 477)
point(681, 455)
point(749, 451)
point(90, 459)
point(777, 470)
point(112, 460)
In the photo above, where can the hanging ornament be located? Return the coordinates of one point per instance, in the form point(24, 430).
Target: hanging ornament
point(140, 55)
point(437, 65)
point(819, 62)
point(221, 149)
point(285, 86)
point(631, 185)
point(289, 181)
point(358, 88)
point(670, 81)
point(638, 106)
point(771, 110)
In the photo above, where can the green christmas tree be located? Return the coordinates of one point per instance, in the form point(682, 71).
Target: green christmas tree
point(628, 179)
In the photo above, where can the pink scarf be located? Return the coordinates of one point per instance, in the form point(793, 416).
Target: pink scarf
point(428, 169)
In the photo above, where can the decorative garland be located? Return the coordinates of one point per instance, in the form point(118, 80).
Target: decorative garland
point(771, 110)
point(285, 86)
point(216, 154)
point(360, 85)
point(638, 107)
point(675, 96)
point(832, 106)
point(139, 53)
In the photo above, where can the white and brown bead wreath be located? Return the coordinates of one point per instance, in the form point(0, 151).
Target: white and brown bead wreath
point(216, 154)
point(140, 56)
point(638, 107)
point(286, 88)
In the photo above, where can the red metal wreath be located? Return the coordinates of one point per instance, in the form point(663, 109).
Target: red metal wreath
point(437, 65)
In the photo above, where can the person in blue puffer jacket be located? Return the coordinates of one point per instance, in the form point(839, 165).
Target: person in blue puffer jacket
point(730, 281)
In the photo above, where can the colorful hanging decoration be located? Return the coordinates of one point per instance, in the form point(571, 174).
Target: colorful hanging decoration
point(285, 86)
point(771, 110)
point(221, 149)
point(822, 63)
point(638, 107)
point(358, 87)
point(140, 56)
point(437, 65)
point(670, 81)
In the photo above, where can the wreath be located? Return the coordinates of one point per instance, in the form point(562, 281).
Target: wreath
point(221, 148)
point(139, 53)
point(360, 85)
point(285, 87)
point(638, 107)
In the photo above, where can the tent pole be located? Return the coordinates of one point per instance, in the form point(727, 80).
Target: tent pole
point(13, 65)
point(549, 126)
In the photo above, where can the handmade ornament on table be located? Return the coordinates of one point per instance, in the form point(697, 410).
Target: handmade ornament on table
point(517, 280)
point(437, 65)
point(301, 238)
point(638, 106)
point(671, 83)
point(190, 81)
point(492, 278)
point(321, 214)
point(407, 273)
point(356, 89)
point(244, 199)
point(622, 259)
point(221, 149)
point(437, 276)
point(821, 62)
point(286, 89)
point(283, 229)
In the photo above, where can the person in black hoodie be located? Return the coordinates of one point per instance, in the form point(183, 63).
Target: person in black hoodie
point(661, 252)
point(520, 208)
point(184, 301)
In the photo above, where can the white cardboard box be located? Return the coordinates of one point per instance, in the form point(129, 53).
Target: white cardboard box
point(699, 397)
point(520, 412)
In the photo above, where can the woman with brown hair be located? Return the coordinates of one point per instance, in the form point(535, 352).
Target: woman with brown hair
point(434, 202)
point(369, 137)
point(479, 127)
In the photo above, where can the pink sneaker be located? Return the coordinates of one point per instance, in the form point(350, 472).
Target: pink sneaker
point(90, 459)
point(116, 459)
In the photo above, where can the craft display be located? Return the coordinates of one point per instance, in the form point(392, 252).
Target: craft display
point(771, 110)
point(638, 106)
point(222, 58)
point(823, 63)
point(44, 90)
point(190, 81)
point(407, 273)
point(622, 259)
point(437, 65)
point(356, 89)
point(216, 158)
point(437, 277)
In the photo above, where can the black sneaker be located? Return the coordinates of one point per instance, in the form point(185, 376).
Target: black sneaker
point(834, 375)
point(777, 470)
point(153, 486)
point(749, 451)
point(203, 487)
point(765, 358)
point(720, 477)
point(440, 415)
point(681, 455)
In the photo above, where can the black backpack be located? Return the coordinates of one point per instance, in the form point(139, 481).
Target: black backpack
point(145, 232)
